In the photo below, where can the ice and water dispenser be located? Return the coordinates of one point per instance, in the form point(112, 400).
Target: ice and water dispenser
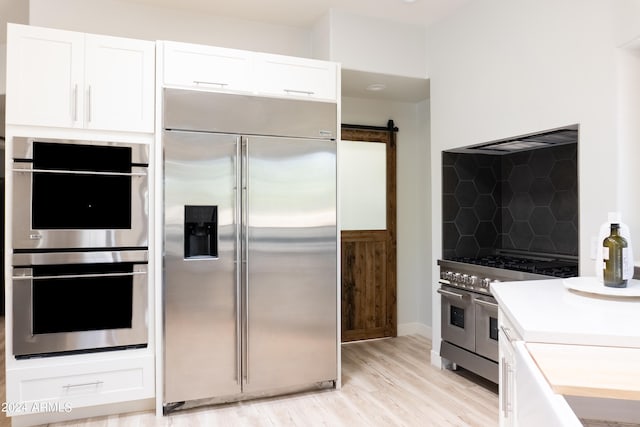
point(200, 232)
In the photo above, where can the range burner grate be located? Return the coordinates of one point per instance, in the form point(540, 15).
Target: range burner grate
point(556, 268)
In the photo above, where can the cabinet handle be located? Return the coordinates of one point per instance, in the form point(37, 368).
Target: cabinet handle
point(74, 107)
point(506, 388)
point(89, 104)
point(94, 383)
point(202, 82)
point(303, 92)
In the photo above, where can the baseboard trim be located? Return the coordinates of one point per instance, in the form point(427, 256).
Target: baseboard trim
point(436, 360)
point(414, 328)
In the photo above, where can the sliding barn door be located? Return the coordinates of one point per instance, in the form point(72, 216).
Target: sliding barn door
point(368, 232)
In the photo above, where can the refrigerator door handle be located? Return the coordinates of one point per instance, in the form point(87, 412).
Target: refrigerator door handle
point(245, 249)
point(238, 260)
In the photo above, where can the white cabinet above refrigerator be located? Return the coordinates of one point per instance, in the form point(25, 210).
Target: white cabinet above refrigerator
point(245, 72)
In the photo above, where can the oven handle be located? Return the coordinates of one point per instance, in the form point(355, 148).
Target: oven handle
point(70, 172)
point(78, 276)
point(486, 303)
point(450, 294)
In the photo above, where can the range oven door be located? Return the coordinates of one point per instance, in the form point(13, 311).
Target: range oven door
point(486, 327)
point(458, 317)
point(79, 194)
point(79, 302)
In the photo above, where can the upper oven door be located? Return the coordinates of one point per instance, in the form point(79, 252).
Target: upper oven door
point(79, 194)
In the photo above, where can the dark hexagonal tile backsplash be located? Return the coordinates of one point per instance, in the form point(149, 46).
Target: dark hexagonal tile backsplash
point(526, 201)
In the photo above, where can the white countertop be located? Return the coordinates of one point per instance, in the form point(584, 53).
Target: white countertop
point(546, 311)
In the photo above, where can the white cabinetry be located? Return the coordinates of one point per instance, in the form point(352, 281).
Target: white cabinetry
point(239, 71)
point(507, 364)
point(526, 398)
point(537, 405)
point(73, 80)
point(79, 381)
point(287, 76)
point(119, 84)
point(45, 73)
point(208, 67)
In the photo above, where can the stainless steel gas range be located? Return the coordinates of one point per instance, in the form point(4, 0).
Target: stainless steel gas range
point(469, 313)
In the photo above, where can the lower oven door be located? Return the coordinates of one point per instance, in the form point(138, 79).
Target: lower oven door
point(458, 317)
point(486, 309)
point(79, 306)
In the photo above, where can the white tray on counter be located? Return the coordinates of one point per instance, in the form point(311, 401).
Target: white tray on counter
point(591, 285)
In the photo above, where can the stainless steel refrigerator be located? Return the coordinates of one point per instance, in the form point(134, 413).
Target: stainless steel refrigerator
point(250, 246)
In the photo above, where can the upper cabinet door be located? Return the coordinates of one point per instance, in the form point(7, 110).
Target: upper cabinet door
point(207, 67)
point(296, 77)
point(119, 84)
point(74, 80)
point(44, 76)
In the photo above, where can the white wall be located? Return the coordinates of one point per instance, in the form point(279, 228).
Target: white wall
point(3, 68)
point(113, 17)
point(16, 11)
point(373, 45)
point(500, 69)
point(414, 314)
point(321, 37)
point(424, 174)
point(628, 62)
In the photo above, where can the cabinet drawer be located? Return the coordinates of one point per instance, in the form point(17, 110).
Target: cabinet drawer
point(82, 384)
point(207, 67)
point(289, 76)
point(68, 387)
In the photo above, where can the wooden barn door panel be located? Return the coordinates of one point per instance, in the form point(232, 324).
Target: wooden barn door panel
point(368, 259)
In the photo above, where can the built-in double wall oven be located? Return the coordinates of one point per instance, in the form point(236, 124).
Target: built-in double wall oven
point(80, 246)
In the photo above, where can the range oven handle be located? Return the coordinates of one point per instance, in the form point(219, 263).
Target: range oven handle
point(450, 294)
point(73, 172)
point(78, 276)
point(486, 303)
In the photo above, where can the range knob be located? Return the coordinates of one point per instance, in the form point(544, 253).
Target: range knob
point(473, 280)
point(457, 277)
point(449, 275)
point(465, 279)
point(486, 282)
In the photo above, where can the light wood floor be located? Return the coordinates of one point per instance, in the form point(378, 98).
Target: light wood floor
point(385, 383)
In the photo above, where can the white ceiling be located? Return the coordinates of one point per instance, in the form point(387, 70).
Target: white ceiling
point(303, 13)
